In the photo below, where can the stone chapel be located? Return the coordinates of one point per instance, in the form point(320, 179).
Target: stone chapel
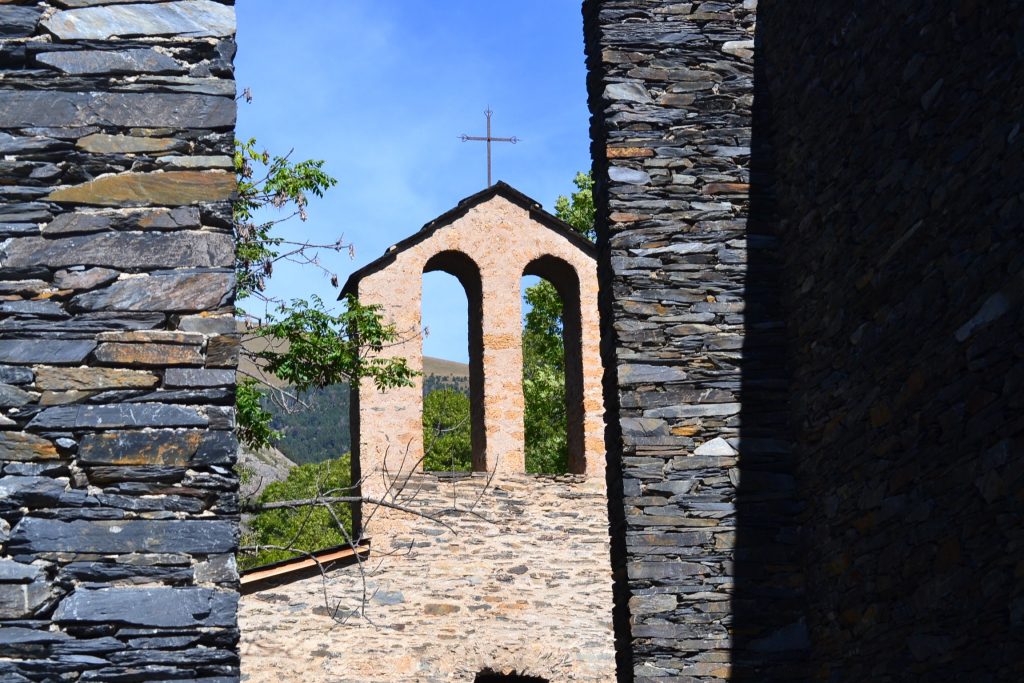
point(516, 576)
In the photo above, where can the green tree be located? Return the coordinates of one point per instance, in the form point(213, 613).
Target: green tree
point(544, 415)
point(313, 346)
point(306, 528)
point(446, 431)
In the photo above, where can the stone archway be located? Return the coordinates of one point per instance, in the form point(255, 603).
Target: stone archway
point(466, 271)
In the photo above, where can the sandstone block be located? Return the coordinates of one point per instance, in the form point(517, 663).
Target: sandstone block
point(20, 446)
point(171, 188)
point(65, 379)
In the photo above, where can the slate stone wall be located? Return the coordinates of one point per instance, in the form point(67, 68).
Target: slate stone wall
point(898, 163)
point(117, 500)
point(709, 585)
point(811, 287)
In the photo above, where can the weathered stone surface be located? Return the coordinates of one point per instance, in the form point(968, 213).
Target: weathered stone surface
point(15, 375)
point(184, 162)
point(195, 377)
point(152, 336)
point(150, 355)
point(103, 62)
point(17, 21)
point(201, 537)
point(25, 447)
point(18, 229)
point(20, 600)
point(195, 18)
point(188, 249)
point(223, 351)
point(84, 279)
point(26, 108)
point(76, 223)
point(159, 607)
point(208, 324)
point(31, 491)
point(103, 143)
point(641, 374)
point(171, 219)
point(159, 447)
point(717, 446)
point(15, 572)
point(53, 351)
point(65, 379)
point(171, 188)
point(17, 635)
point(11, 396)
point(92, 121)
point(42, 309)
point(165, 291)
point(116, 416)
point(24, 143)
point(545, 609)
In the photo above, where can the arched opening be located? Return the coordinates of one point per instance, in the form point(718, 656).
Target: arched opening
point(553, 369)
point(447, 395)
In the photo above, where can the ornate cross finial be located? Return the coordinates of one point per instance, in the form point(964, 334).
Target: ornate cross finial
point(488, 139)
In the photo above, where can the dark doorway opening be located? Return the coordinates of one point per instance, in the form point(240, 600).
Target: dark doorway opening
point(491, 676)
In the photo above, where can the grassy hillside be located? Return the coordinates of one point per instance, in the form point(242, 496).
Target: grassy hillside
point(321, 431)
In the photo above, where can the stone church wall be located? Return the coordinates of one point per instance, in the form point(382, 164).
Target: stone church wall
point(117, 501)
point(520, 584)
point(814, 254)
point(898, 157)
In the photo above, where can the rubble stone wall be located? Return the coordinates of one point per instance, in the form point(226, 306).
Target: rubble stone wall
point(117, 500)
point(522, 583)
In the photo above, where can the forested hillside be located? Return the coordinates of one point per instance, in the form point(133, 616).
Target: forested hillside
point(320, 431)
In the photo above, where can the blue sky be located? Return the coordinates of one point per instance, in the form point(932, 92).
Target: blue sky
point(381, 90)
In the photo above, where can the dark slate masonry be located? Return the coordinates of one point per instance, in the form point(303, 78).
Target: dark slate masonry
point(812, 297)
point(118, 505)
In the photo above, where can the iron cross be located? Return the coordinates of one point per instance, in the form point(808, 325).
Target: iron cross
point(488, 139)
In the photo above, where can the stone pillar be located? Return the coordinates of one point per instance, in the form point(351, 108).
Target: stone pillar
point(503, 371)
point(703, 546)
point(117, 352)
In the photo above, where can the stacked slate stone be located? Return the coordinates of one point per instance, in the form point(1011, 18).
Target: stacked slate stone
point(117, 500)
point(900, 155)
point(708, 578)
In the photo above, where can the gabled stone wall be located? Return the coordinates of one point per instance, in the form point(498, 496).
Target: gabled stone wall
point(117, 501)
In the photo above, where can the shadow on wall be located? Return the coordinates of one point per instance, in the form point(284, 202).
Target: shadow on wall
point(886, 183)
point(770, 638)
